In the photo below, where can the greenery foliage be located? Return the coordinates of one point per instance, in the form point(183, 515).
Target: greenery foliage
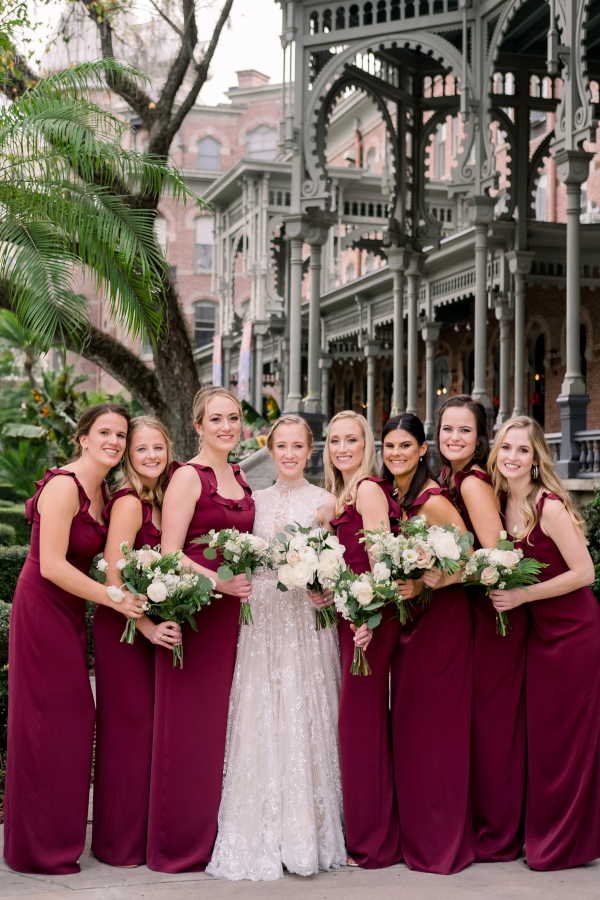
point(8, 535)
point(12, 560)
point(14, 515)
point(592, 521)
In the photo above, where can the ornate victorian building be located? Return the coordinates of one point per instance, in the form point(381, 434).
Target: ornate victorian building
point(429, 225)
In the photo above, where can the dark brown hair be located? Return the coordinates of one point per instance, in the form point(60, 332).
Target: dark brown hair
point(482, 450)
point(89, 416)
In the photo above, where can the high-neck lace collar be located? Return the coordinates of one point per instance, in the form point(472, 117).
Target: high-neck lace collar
point(291, 485)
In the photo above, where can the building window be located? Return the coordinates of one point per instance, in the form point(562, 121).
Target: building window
point(540, 198)
point(350, 272)
point(440, 151)
point(209, 154)
point(203, 251)
point(371, 161)
point(204, 323)
point(262, 143)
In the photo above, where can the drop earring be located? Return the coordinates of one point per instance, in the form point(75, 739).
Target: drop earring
point(534, 471)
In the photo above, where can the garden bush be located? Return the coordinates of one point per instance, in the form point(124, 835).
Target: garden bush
point(7, 535)
point(8, 495)
point(15, 515)
point(591, 515)
point(12, 560)
point(4, 614)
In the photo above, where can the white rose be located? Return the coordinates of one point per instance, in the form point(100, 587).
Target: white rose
point(444, 545)
point(363, 592)
point(298, 542)
point(302, 574)
point(503, 536)
point(375, 552)
point(489, 575)
point(121, 564)
point(116, 595)
point(510, 559)
point(307, 555)
point(285, 575)
point(257, 544)
point(157, 592)
point(293, 557)
point(328, 564)
point(147, 557)
point(102, 565)
point(381, 572)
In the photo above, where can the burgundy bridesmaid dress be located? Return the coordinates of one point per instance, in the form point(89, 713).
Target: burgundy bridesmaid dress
point(562, 810)
point(432, 685)
point(499, 734)
point(370, 809)
point(51, 712)
point(191, 705)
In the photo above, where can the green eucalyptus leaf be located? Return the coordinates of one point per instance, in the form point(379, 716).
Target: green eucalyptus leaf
point(210, 553)
point(224, 573)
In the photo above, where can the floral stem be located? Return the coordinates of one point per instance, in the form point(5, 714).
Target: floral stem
point(129, 633)
point(178, 655)
point(426, 595)
point(325, 618)
point(360, 664)
point(246, 614)
point(503, 626)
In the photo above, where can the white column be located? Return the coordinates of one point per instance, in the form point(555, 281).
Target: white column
point(259, 329)
point(316, 238)
point(481, 213)
point(398, 261)
point(430, 333)
point(296, 231)
point(519, 263)
point(226, 345)
point(325, 364)
point(504, 315)
point(414, 276)
point(371, 348)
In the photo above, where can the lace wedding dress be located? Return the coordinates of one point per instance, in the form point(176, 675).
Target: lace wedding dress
point(282, 799)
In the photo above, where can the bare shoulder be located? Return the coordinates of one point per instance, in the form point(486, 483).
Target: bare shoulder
point(554, 511)
point(369, 490)
point(61, 494)
point(476, 489)
point(437, 502)
point(127, 503)
point(184, 477)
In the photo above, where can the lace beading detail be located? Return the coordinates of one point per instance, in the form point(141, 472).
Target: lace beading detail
point(282, 798)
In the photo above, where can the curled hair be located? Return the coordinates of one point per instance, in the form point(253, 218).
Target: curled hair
point(334, 482)
point(89, 416)
point(130, 477)
point(482, 450)
point(290, 420)
point(203, 398)
point(547, 478)
point(423, 474)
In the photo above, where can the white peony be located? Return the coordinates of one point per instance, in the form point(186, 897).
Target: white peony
point(102, 565)
point(258, 544)
point(497, 556)
point(286, 576)
point(121, 564)
point(363, 592)
point(116, 595)
point(329, 563)
point(157, 591)
point(381, 572)
point(444, 546)
point(307, 555)
point(298, 542)
point(302, 574)
point(334, 544)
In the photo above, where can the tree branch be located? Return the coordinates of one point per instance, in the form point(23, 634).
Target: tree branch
point(177, 72)
point(19, 79)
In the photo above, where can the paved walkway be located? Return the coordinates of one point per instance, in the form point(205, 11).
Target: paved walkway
point(505, 881)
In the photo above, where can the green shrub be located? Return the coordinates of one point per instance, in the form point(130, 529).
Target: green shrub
point(15, 515)
point(7, 535)
point(591, 514)
point(12, 560)
point(4, 614)
point(8, 495)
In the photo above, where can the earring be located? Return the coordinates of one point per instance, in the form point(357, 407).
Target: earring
point(420, 459)
point(237, 449)
point(534, 472)
point(476, 451)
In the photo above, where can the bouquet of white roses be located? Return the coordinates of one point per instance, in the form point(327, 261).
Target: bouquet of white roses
point(436, 545)
point(309, 558)
point(243, 554)
point(503, 568)
point(174, 593)
point(397, 556)
point(358, 598)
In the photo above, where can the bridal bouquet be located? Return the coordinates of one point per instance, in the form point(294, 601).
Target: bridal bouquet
point(309, 558)
point(503, 568)
point(174, 593)
point(358, 598)
point(438, 545)
point(242, 553)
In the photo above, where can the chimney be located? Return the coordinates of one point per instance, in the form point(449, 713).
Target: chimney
point(251, 78)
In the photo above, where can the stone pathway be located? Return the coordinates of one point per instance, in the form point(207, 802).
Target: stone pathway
point(502, 881)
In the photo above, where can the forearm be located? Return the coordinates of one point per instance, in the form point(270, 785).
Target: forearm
point(65, 576)
point(556, 587)
point(146, 626)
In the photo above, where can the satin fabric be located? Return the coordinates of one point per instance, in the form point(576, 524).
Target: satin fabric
point(51, 711)
point(432, 683)
point(499, 734)
point(370, 809)
point(191, 705)
point(562, 815)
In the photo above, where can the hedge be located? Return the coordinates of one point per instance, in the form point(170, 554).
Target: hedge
point(8, 495)
point(15, 515)
point(12, 560)
point(8, 536)
point(4, 614)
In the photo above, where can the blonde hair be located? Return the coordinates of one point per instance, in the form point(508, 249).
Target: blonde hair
point(334, 482)
point(547, 478)
point(203, 398)
point(130, 476)
point(290, 420)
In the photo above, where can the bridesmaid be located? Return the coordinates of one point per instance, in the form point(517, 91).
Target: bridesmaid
point(125, 672)
point(191, 704)
point(498, 739)
point(562, 811)
point(432, 678)
point(363, 501)
point(51, 714)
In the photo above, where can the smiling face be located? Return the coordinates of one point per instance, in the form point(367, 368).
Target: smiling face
point(105, 442)
point(516, 455)
point(148, 454)
point(346, 444)
point(290, 451)
point(458, 434)
point(221, 425)
point(402, 453)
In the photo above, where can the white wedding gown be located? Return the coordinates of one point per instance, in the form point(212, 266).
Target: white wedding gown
point(282, 797)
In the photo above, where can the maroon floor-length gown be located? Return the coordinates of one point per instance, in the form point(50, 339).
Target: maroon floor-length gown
point(51, 711)
point(499, 733)
point(562, 810)
point(191, 705)
point(370, 809)
point(432, 686)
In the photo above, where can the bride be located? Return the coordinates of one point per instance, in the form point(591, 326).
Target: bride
point(282, 800)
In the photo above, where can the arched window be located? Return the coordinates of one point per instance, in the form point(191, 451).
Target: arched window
point(368, 14)
point(540, 198)
point(203, 249)
point(209, 154)
point(371, 161)
point(204, 323)
point(340, 18)
point(353, 19)
point(538, 383)
point(350, 272)
point(381, 10)
point(161, 233)
point(261, 143)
